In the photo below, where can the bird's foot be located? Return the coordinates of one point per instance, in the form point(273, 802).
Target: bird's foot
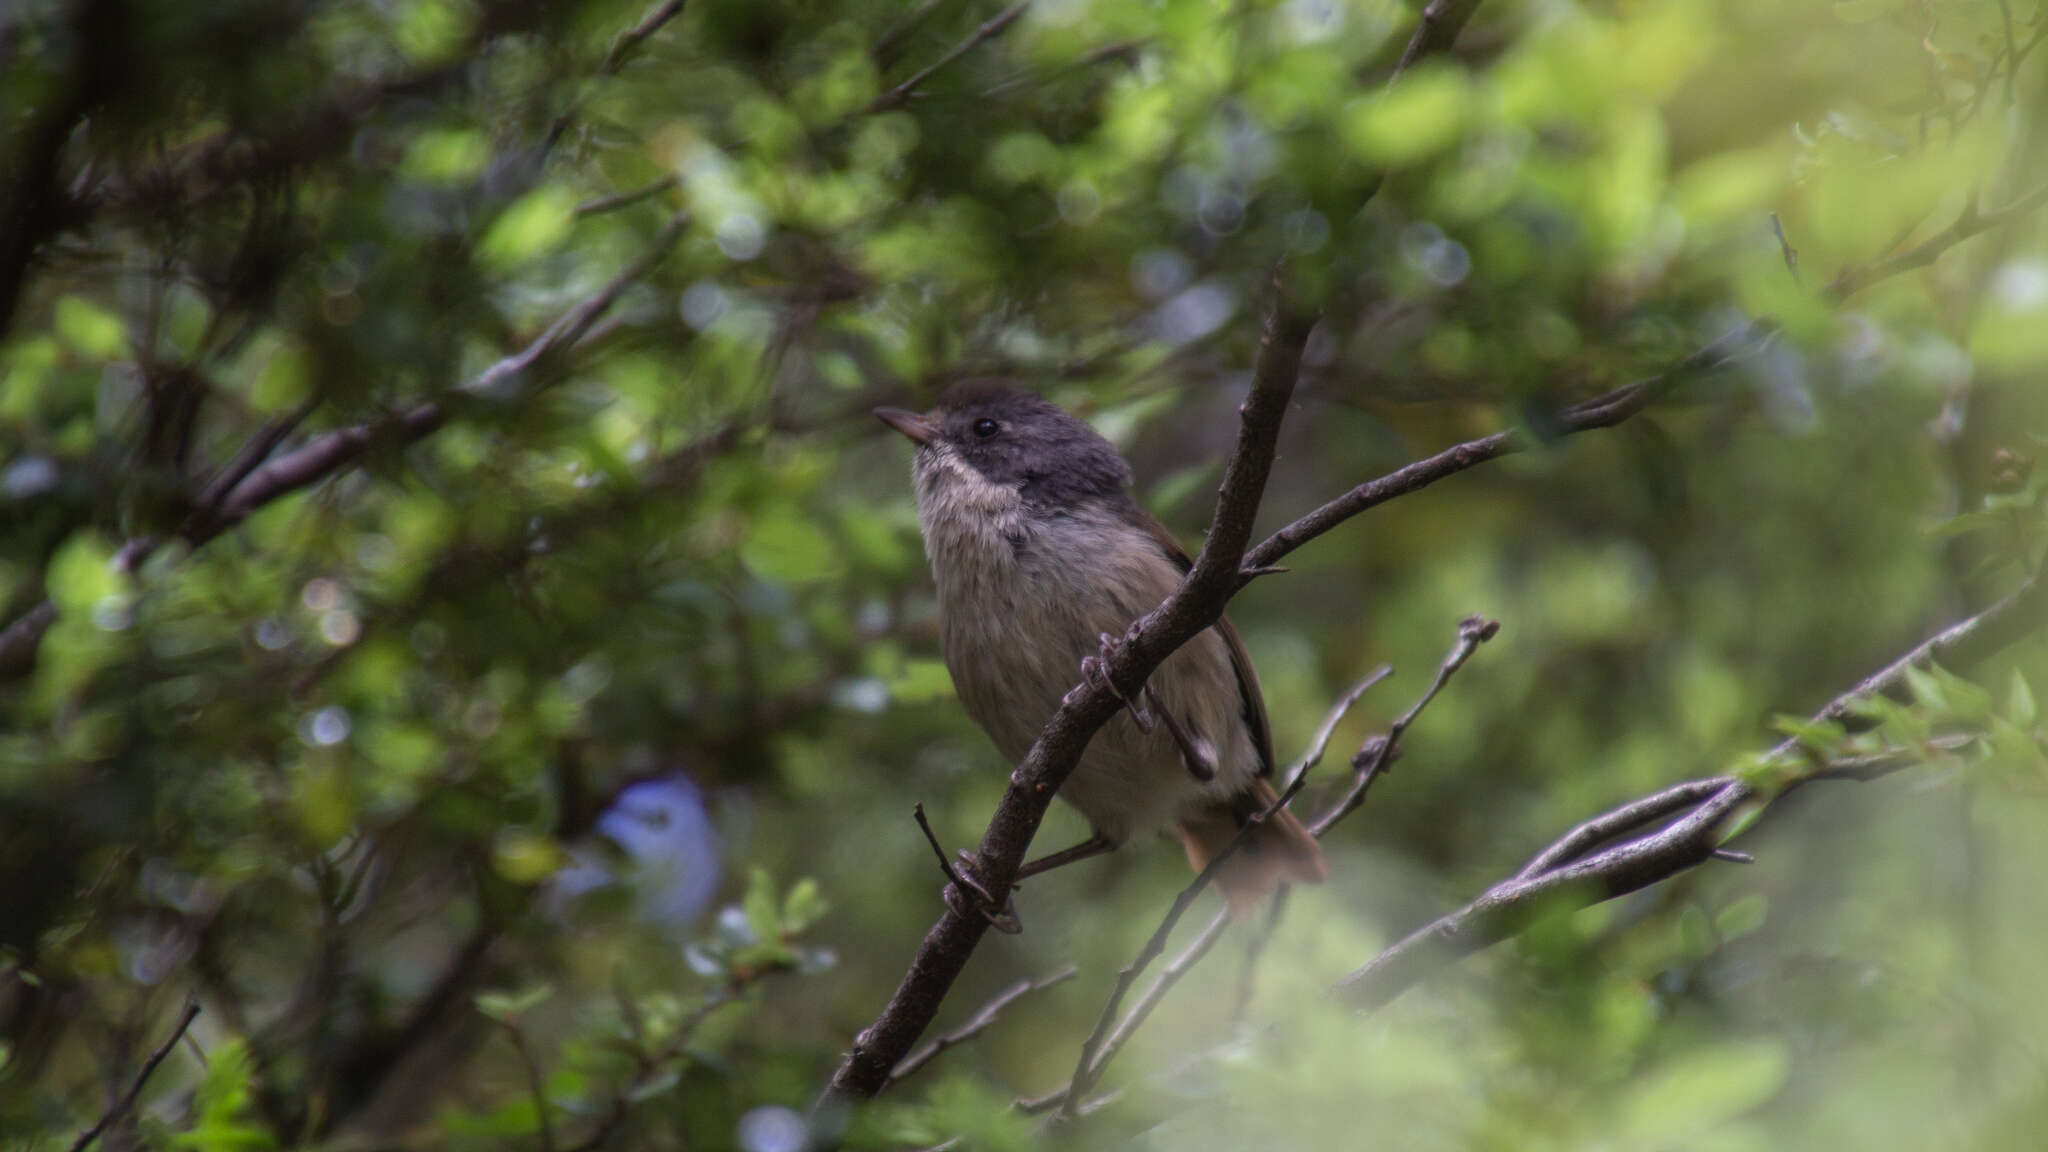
point(977, 900)
point(1096, 669)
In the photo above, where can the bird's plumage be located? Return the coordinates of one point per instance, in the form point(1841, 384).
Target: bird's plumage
point(1038, 549)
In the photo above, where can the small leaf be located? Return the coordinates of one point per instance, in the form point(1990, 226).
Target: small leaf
point(1926, 689)
point(507, 1007)
point(803, 906)
point(1742, 917)
point(91, 331)
point(759, 906)
point(2019, 706)
point(527, 857)
point(533, 224)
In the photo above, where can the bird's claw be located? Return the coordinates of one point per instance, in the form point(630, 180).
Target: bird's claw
point(978, 901)
point(1096, 669)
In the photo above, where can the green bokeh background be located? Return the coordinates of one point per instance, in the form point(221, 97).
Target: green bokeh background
point(358, 773)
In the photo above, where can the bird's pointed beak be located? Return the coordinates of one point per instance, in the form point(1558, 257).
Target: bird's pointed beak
point(915, 425)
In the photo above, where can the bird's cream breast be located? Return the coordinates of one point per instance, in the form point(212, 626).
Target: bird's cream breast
point(1023, 598)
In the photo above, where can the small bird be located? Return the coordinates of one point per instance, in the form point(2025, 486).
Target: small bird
point(1041, 555)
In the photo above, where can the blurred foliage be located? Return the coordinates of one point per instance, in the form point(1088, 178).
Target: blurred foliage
point(542, 777)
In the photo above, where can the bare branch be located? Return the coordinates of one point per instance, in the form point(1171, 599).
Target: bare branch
point(630, 40)
point(627, 199)
point(900, 95)
point(1094, 1052)
point(1972, 222)
point(19, 640)
point(127, 1100)
point(1599, 412)
point(1373, 758)
point(1625, 819)
point(1438, 29)
point(983, 1018)
point(253, 453)
point(1691, 839)
point(536, 1086)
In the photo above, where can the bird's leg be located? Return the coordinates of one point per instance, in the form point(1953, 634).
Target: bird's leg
point(1096, 669)
point(964, 892)
point(1197, 754)
point(1092, 846)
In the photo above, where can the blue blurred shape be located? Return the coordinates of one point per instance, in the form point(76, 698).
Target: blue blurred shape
point(667, 852)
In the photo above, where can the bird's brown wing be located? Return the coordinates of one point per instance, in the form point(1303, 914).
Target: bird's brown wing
point(1240, 661)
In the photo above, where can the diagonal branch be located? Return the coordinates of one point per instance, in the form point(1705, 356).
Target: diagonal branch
point(900, 95)
point(983, 1018)
point(325, 454)
point(1971, 223)
point(1555, 879)
point(120, 1107)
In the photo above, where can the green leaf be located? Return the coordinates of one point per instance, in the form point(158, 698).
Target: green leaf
point(1742, 917)
point(82, 576)
point(1687, 1096)
point(534, 223)
point(920, 682)
point(759, 904)
point(2019, 707)
point(524, 856)
point(1927, 690)
point(446, 156)
point(1421, 114)
point(508, 1007)
point(785, 546)
point(803, 906)
point(91, 331)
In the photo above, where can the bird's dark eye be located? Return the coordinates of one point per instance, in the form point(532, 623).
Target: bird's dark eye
point(986, 428)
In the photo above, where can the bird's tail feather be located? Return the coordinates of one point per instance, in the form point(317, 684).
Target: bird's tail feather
point(1277, 851)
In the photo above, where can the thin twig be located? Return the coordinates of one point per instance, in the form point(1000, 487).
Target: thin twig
point(630, 40)
point(1372, 760)
point(1785, 247)
point(618, 200)
point(536, 1085)
point(1969, 224)
point(900, 95)
point(1254, 950)
point(1093, 1059)
point(983, 1018)
point(120, 1107)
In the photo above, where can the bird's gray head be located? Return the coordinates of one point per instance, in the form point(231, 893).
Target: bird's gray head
point(990, 433)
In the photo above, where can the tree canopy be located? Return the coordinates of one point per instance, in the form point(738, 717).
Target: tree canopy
point(468, 665)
